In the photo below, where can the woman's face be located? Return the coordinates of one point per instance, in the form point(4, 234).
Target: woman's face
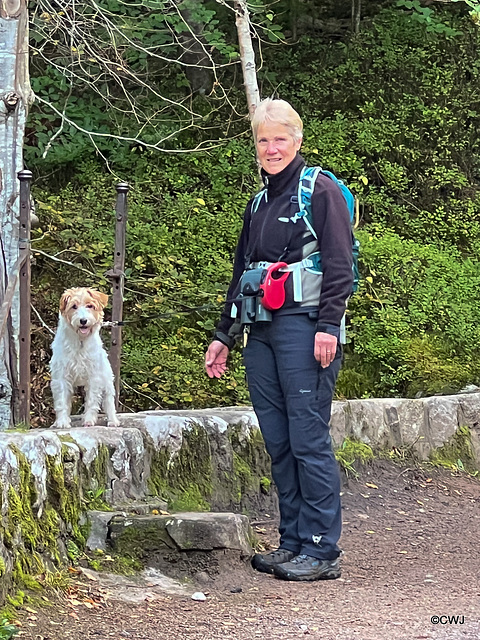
point(276, 147)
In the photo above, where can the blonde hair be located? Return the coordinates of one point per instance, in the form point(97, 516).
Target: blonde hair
point(280, 112)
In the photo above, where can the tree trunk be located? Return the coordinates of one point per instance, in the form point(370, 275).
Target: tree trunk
point(194, 53)
point(247, 55)
point(15, 96)
point(356, 15)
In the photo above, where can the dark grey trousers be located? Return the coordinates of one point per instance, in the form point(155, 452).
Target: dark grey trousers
point(292, 397)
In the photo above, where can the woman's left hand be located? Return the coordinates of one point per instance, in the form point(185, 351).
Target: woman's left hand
point(325, 348)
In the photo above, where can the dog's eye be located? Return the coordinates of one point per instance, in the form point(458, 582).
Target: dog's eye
point(74, 306)
point(90, 306)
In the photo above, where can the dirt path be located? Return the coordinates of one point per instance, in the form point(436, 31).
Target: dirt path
point(412, 552)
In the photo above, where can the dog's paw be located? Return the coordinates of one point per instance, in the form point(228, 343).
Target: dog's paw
point(61, 424)
point(89, 423)
point(113, 423)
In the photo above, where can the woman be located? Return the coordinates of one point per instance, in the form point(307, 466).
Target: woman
point(292, 361)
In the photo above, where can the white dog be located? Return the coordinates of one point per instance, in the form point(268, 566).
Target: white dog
point(79, 359)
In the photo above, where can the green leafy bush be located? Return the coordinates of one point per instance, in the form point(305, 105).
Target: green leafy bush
point(7, 630)
point(394, 111)
point(414, 323)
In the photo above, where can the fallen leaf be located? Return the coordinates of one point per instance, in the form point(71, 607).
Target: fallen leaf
point(371, 485)
point(30, 610)
point(72, 615)
point(89, 575)
point(369, 531)
point(73, 602)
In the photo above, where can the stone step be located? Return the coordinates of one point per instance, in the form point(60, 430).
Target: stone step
point(100, 520)
point(183, 545)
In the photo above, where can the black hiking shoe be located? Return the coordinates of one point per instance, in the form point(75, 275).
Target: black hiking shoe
point(266, 562)
point(307, 568)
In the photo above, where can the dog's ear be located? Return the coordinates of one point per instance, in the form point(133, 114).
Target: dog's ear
point(102, 298)
point(66, 295)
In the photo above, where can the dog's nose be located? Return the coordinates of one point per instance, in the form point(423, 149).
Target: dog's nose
point(83, 321)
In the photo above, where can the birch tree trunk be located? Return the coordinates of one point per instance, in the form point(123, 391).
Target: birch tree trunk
point(247, 55)
point(356, 15)
point(15, 96)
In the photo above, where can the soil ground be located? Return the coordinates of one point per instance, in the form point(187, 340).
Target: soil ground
point(412, 552)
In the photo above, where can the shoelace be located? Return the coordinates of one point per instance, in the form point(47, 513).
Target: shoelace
point(299, 559)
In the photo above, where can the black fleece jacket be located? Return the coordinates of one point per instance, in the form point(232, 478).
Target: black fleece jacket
point(267, 236)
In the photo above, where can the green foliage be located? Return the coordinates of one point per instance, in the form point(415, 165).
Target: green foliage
point(413, 326)
point(121, 74)
point(392, 110)
point(427, 16)
point(457, 454)
point(7, 630)
point(353, 451)
point(182, 231)
point(93, 500)
point(396, 120)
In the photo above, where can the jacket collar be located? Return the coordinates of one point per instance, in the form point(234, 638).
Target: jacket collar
point(276, 183)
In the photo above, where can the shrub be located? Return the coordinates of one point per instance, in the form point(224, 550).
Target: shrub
point(414, 323)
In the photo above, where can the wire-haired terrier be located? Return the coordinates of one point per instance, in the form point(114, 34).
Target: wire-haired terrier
point(80, 360)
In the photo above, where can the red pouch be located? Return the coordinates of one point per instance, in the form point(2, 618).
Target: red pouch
point(273, 286)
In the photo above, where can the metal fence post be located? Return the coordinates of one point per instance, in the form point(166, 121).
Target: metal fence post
point(117, 276)
point(25, 178)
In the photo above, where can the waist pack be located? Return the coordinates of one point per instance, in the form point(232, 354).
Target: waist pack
point(261, 291)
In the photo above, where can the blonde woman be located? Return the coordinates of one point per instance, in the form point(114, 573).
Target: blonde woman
point(293, 354)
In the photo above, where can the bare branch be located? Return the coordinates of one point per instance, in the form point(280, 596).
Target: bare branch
point(205, 145)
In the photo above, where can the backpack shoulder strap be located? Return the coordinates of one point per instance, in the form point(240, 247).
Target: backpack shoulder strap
point(306, 185)
point(257, 199)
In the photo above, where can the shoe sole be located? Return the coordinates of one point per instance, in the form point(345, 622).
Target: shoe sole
point(264, 568)
point(327, 575)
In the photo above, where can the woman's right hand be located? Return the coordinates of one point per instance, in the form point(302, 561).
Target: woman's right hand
point(216, 359)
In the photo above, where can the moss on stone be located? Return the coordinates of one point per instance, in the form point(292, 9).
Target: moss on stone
point(457, 453)
point(98, 472)
point(114, 563)
point(251, 464)
point(140, 538)
point(265, 484)
point(66, 501)
point(184, 480)
point(32, 531)
point(190, 499)
point(353, 451)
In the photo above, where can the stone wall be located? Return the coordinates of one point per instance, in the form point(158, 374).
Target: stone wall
point(197, 460)
point(423, 424)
